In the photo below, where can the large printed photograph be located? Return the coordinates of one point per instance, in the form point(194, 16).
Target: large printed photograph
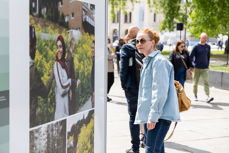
point(49, 138)
point(80, 133)
point(62, 52)
point(4, 76)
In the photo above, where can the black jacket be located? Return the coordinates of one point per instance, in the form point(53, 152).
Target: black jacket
point(175, 59)
point(128, 67)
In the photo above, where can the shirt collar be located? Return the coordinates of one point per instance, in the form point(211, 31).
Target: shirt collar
point(151, 55)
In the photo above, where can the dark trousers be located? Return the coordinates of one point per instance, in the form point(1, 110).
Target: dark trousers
point(180, 75)
point(132, 101)
point(118, 66)
point(155, 138)
point(110, 81)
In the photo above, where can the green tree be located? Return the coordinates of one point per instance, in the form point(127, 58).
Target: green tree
point(86, 138)
point(210, 16)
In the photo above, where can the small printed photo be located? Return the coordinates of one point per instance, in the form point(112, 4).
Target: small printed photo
point(62, 57)
point(80, 133)
point(49, 138)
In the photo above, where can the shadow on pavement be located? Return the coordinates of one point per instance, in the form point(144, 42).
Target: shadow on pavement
point(118, 96)
point(118, 103)
point(212, 106)
point(183, 148)
point(220, 104)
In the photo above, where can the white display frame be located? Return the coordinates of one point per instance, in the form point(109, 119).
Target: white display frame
point(19, 75)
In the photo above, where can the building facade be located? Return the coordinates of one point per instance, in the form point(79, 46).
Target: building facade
point(139, 14)
point(79, 15)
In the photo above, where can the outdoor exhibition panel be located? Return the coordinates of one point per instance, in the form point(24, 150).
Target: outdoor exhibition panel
point(56, 61)
point(4, 76)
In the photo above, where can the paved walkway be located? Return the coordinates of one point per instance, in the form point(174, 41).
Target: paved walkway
point(204, 128)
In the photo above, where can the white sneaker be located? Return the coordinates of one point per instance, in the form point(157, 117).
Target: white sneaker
point(209, 99)
point(195, 98)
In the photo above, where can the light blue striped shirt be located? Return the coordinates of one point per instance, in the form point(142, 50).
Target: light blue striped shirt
point(157, 98)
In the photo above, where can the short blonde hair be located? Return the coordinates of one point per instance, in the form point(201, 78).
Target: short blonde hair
point(153, 35)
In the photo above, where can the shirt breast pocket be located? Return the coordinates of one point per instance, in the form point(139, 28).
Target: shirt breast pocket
point(147, 79)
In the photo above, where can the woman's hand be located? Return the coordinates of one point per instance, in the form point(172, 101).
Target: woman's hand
point(70, 95)
point(151, 125)
point(77, 83)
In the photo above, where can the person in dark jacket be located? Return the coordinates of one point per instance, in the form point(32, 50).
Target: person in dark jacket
point(72, 75)
point(37, 87)
point(160, 46)
point(93, 74)
point(129, 84)
point(200, 57)
point(117, 53)
point(177, 57)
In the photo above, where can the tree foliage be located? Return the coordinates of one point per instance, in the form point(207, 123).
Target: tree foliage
point(81, 135)
point(210, 16)
point(117, 5)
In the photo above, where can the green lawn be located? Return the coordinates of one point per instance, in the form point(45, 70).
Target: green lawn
point(215, 55)
point(219, 68)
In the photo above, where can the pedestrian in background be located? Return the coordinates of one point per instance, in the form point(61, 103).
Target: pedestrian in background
point(37, 87)
point(129, 84)
point(157, 98)
point(93, 74)
point(110, 75)
point(160, 46)
point(117, 53)
point(180, 60)
point(200, 57)
point(72, 75)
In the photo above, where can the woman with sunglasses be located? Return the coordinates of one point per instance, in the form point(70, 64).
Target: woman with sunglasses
point(157, 98)
point(180, 60)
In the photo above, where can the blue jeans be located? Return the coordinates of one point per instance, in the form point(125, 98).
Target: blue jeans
point(155, 138)
point(132, 101)
point(180, 75)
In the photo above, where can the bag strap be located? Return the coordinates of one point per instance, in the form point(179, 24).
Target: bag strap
point(185, 65)
point(172, 132)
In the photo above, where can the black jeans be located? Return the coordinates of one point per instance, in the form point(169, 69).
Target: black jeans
point(132, 101)
point(110, 81)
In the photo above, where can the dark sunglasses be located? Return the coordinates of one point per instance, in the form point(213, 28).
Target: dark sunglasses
point(182, 46)
point(141, 41)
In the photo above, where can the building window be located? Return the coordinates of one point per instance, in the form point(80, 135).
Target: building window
point(154, 17)
point(130, 17)
point(116, 18)
point(66, 18)
point(126, 31)
point(113, 20)
point(125, 18)
point(72, 15)
point(115, 35)
point(61, 3)
point(33, 4)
